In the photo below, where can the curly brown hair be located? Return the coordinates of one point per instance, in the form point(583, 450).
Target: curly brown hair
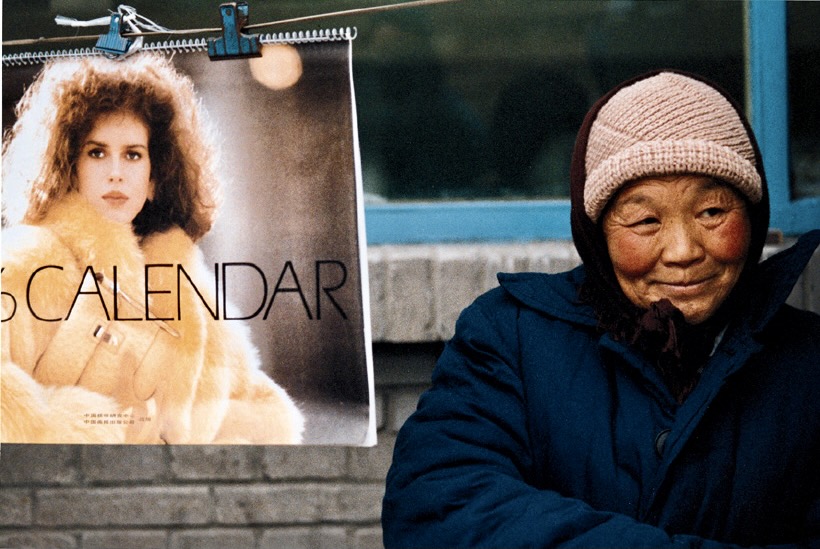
point(68, 97)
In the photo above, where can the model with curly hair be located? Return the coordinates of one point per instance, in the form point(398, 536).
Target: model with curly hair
point(108, 334)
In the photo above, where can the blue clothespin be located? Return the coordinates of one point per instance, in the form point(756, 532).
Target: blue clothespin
point(233, 44)
point(114, 44)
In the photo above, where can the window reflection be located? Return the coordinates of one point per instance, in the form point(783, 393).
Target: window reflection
point(804, 102)
point(482, 99)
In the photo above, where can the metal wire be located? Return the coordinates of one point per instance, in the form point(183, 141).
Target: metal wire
point(355, 11)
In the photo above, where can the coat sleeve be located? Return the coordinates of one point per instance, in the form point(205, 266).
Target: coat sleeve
point(31, 412)
point(462, 463)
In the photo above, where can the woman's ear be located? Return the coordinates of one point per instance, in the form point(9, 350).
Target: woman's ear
point(152, 189)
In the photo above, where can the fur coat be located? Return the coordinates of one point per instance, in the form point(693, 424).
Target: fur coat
point(107, 338)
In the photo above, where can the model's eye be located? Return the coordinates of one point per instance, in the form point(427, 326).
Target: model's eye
point(96, 152)
point(133, 155)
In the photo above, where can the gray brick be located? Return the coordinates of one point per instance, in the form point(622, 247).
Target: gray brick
point(305, 538)
point(377, 271)
point(125, 463)
point(409, 302)
point(553, 257)
point(38, 540)
point(272, 504)
point(372, 463)
point(304, 462)
point(297, 503)
point(163, 506)
point(417, 291)
point(368, 538)
point(457, 281)
point(216, 462)
point(491, 259)
point(359, 503)
point(400, 404)
point(125, 539)
point(39, 464)
point(380, 413)
point(519, 263)
point(214, 538)
point(15, 507)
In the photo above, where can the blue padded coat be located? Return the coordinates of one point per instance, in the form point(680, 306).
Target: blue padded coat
point(539, 431)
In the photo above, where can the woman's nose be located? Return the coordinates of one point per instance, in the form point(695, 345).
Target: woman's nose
point(115, 171)
point(681, 244)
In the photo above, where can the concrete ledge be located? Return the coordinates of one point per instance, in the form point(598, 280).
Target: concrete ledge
point(418, 291)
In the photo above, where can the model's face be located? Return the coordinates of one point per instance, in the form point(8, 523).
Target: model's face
point(114, 169)
point(684, 238)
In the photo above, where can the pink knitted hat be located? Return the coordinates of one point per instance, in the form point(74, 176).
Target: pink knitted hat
point(662, 125)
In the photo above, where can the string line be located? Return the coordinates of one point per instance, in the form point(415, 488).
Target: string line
point(354, 11)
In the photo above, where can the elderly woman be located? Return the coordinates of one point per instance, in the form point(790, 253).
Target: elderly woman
point(108, 334)
point(660, 395)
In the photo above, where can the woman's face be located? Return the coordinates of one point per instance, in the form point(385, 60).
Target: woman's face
point(684, 238)
point(114, 168)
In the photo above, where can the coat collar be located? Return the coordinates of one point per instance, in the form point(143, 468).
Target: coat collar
point(553, 294)
point(97, 242)
point(557, 294)
point(105, 245)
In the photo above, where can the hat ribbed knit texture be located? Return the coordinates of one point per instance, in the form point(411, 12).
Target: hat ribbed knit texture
point(667, 124)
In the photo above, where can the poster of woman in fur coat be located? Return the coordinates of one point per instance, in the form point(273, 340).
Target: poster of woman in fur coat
point(183, 251)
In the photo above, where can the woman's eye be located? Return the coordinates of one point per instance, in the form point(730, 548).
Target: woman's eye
point(712, 212)
point(646, 221)
point(133, 155)
point(96, 153)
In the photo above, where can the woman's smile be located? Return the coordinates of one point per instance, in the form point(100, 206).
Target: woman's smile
point(682, 238)
point(686, 289)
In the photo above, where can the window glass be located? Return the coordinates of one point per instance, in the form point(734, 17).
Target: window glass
point(482, 99)
point(474, 99)
point(804, 101)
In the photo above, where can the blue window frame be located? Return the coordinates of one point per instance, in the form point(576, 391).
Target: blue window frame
point(768, 88)
point(472, 221)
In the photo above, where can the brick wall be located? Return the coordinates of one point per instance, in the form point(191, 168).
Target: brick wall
point(95, 497)
point(92, 497)
point(179, 497)
point(283, 497)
